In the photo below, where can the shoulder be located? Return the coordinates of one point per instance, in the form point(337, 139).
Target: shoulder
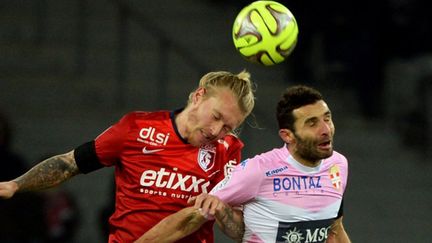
point(231, 142)
point(276, 154)
point(144, 115)
point(339, 158)
point(336, 162)
point(138, 117)
point(251, 171)
point(268, 159)
point(337, 166)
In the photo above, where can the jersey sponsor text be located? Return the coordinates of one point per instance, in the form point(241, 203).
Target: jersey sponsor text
point(150, 136)
point(315, 231)
point(296, 183)
point(276, 171)
point(173, 180)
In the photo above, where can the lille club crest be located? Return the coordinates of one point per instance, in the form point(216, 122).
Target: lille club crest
point(206, 159)
point(335, 177)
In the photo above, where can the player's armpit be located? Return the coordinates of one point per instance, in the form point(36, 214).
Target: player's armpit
point(337, 233)
point(174, 227)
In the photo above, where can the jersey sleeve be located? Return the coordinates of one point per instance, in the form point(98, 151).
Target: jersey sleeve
point(346, 172)
point(343, 165)
point(109, 144)
point(341, 210)
point(241, 185)
point(105, 149)
point(343, 162)
point(86, 158)
point(233, 154)
point(230, 156)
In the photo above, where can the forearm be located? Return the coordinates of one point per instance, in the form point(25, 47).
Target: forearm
point(338, 237)
point(337, 233)
point(231, 223)
point(48, 173)
point(174, 227)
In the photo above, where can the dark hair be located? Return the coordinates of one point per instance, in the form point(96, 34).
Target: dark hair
point(293, 98)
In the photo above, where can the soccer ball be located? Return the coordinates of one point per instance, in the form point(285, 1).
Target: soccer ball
point(265, 32)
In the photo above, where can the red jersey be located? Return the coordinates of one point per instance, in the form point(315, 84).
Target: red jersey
point(156, 172)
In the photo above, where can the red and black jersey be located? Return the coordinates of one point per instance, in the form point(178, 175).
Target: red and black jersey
point(156, 171)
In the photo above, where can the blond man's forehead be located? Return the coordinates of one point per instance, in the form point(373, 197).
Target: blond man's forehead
point(227, 106)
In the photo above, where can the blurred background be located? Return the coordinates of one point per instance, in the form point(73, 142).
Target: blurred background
point(70, 69)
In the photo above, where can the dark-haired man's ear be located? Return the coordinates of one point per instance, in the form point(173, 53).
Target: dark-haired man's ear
point(286, 135)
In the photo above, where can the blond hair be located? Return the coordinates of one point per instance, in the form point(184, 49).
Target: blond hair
point(240, 84)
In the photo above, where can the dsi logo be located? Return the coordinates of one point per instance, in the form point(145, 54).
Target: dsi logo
point(150, 136)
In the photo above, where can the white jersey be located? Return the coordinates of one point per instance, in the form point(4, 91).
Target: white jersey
point(285, 201)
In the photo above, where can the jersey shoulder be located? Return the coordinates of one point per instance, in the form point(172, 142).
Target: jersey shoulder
point(339, 158)
point(270, 159)
point(138, 118)
point(275, 154)
point(231, 142)
point(147, 115)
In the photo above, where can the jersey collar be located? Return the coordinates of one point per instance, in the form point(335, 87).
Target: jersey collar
point(299, 166)
point(172, 117)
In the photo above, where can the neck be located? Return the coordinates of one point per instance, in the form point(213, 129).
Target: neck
point(301, 160)
point(180, 120)
point(307, 163)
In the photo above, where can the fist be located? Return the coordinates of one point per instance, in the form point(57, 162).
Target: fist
point(8, 189)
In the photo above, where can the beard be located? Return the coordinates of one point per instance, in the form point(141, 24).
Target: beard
point(308, 149)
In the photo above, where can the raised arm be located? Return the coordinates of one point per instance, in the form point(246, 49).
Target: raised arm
point(46, 174)
point(337, 233)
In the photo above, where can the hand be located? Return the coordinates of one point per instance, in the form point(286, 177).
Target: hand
point(230, 220)
point(209, 206)
point(8, 189)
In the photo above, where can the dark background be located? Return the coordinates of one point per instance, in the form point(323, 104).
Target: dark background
point(69, 69)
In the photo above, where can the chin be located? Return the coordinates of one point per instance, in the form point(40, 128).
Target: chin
point(195, 143)
point(200, 143)
point(327, 154)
